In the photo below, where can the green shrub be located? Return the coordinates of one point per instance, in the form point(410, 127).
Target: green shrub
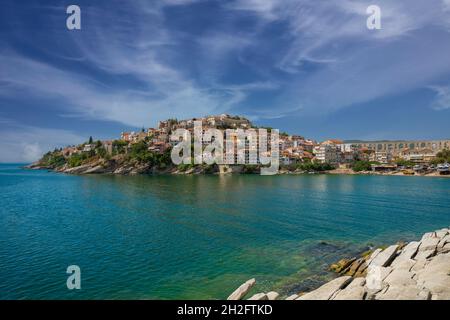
point(314, 166)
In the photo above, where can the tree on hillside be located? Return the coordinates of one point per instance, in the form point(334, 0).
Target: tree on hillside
point(91, 140)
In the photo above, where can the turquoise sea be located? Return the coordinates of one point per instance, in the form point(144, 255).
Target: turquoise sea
point(198, 237)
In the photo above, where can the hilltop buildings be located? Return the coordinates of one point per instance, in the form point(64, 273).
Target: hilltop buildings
point(293, 148)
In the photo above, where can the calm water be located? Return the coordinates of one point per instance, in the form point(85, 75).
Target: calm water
point(198, 237)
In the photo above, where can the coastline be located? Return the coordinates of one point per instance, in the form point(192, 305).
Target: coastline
point(418, 270)
point(100, 169)
point(294, 280)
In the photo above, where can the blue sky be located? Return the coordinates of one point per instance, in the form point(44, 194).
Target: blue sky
point(306, 67)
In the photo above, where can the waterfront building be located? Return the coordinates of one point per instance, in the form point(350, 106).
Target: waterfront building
point(381, 157)
point(419, 156)
point(328, 152)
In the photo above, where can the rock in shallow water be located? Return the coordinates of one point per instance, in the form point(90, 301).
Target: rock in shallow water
point(272, 295)
point(418, 271)
point(240, 292)
point(259, 296)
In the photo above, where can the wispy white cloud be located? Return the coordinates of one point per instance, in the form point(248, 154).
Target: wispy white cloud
point(265, 8)
point(82, 96)
point(354, 64)
point(442, 99)
point(140, 47)
point(26, 144)
point(135, 66)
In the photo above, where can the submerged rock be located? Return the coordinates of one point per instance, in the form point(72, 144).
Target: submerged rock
point(341, 265)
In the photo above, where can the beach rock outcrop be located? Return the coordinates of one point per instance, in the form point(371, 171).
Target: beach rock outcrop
point(385, 257)
point(272, 295)
point(419, 270)
point(328, 290)
point(354, 291)
point(259, 296)
point(240, 292)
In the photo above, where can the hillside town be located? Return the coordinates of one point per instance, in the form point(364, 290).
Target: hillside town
point(407, 157)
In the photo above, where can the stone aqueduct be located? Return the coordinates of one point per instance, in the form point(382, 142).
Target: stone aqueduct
point(395, 147)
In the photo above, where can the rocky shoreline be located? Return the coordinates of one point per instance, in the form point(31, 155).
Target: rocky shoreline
point(117, 166)
point(418, 270)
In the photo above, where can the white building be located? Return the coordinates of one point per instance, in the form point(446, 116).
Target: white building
point(328, 153)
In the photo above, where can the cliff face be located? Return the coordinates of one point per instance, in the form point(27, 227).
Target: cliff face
point(122, 165)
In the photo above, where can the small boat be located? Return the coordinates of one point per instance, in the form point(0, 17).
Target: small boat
point(443, 168)
point(408, 172)
point(418, 168)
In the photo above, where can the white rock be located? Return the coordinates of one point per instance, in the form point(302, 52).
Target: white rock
point(424, 295)
point(326, 291)
point(373, 255)
point(420, 271)
point(427, 247)
point(444, 249)
point(375, 277)
point(405, 265)
point(401, 276)
point(442, 233)
point(408, 252)
point(429, 243)
point(385, 257)
point(272, 295)
point(240, 292)
point(411, 292)
point(259, 296)
point(428, 235)
point(96, 169)
point(354, 291)
point(419, 265)
point(444, 241)
point(435, 277)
